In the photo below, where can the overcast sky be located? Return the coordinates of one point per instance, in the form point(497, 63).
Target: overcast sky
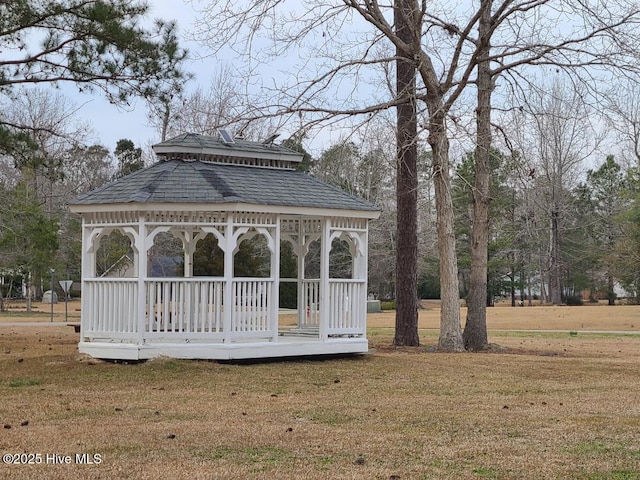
point(111, 123)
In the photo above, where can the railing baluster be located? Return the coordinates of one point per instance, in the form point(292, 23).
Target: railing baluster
point(264, 300)
point(255, 306)
point(166, 303)
point(217, 306)
point(210, 306)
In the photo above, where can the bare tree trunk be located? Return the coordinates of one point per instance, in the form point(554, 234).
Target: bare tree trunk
point(29, 292)
point(407, 188)
point(554, 273)
point(611, 293)
point(166, 117)
point(450, 330)
point(475, 330)
point(543, 281)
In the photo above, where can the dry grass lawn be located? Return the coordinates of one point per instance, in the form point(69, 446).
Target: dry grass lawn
point(547, 405)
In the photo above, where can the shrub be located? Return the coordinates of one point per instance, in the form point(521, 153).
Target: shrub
point(391, 305)
point(573, 300)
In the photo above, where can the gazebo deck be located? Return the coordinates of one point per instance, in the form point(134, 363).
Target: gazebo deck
point(187, 318)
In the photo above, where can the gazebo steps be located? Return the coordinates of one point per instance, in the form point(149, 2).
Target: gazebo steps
point(300, 332)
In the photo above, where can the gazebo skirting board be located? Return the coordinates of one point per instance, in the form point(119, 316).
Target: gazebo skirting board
point(284, 347)
point(186, 318)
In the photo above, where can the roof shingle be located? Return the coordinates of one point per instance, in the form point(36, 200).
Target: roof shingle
point(179, 181)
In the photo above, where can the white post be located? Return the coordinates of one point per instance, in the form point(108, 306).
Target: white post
point(141, 247)
point(90, 242)
point(325, 248)
point(364, 275)
point(189, 242)
point(275, 274)
point(88, 270)
point(301, 252)
point(229, 247)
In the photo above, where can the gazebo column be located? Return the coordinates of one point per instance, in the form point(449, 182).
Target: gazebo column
point(229, 247)
point(90, 245)
point(274, 301)
point(301, 252)
point(141, 249)
point(360, 272)
point(188, 247)
point(142, 243)
point(189, 242)
point(324, 307)
point(308, 293)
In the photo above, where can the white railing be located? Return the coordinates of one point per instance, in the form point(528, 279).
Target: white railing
point(193, 308)
point(310, 303)
point(347, 307)
point(109, 307)
point(185, 305)
point(251, 306)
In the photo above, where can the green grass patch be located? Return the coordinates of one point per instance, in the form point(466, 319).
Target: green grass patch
point(245, 455)
point(485, 472)
point(24, 382)
point(600, 448)
point(624, 456)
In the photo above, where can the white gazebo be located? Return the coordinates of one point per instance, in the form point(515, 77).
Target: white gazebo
point(234, 190)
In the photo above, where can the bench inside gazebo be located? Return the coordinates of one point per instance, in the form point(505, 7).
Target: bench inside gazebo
point(225, 191)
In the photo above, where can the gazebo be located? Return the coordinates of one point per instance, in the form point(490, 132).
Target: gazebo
point(234, 190)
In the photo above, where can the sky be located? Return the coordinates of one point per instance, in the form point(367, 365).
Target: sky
point(113, 123)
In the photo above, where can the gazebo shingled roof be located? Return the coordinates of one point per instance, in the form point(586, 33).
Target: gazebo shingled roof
point(179, 181)
point(202, 169)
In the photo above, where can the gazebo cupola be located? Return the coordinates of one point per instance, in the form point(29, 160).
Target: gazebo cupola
point(233, 190)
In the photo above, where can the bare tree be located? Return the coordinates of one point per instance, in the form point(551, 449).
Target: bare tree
point(445, 45)
point(475, 330)
point(588, 41)
point(558, 138)
point(222, 105)
point(624, 114)
point(53, 130)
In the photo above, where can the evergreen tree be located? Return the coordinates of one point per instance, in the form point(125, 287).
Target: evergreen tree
point(129, 157)
point(28, 237)
point(95, 44)
point(606, 186)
